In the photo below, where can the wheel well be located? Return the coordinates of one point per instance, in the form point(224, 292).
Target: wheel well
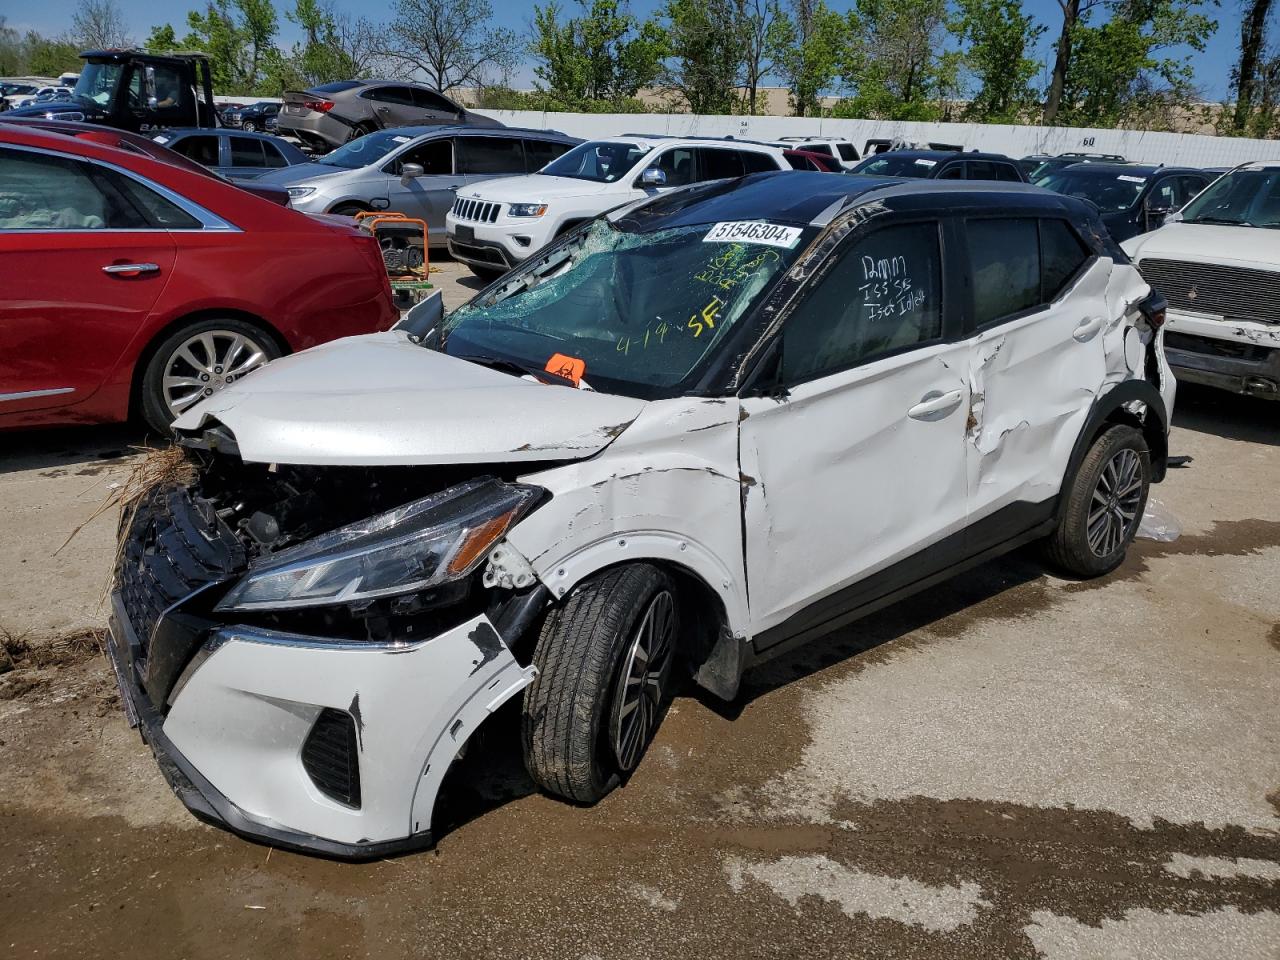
point(349, 203)
point(1152, 432)
point(149, 351)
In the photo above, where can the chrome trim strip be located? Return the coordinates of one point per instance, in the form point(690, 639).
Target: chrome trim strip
point(32, 394)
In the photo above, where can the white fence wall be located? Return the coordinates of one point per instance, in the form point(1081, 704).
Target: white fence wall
point(1187, 149)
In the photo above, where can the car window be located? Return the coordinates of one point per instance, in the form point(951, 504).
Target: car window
point(1061, 255)
point(1007, 172)
point(44, 192)
point(169, 86)
point(799, 161)
point(763, 163)
point(677, 164)
point(490, 155)
point(881, 296)
point(1163, 194)
point(847, 151)
point(1005, 259)
point(430, 100)
point(538, 153)
point(980, 170)
point(246, 152)
point(1187, 188)
point(954, 171)
point(273, 155)
point(400, 95)
point(719, 164)
point(201, 149)
point(435, 157)
point(159, 211)
point(823, 148)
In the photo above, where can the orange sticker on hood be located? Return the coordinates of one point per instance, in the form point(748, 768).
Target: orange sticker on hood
point(571, 368)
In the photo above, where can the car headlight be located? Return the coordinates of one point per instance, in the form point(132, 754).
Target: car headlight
point(297, 193)
point(432, 541)
point(527, 209)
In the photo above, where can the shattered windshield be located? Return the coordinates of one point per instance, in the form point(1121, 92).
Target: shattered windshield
point(1109, 191)
point(98, 82)
point(1247, 198)
point(631, 313)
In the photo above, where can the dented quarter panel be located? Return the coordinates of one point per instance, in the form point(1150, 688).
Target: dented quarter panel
point(242, 717)
point(845, 481)
point(380, 399)
point(668, 489)
point(1033, 384)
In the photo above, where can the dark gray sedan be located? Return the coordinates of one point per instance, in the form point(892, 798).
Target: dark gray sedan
point(236, 154)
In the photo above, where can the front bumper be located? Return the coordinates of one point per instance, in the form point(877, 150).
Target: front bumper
point(1243, 356)
point(231, 743)
point(494, 244)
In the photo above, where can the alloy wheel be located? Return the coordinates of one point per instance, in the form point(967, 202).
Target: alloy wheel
point(206, 363)
point(1113, 510)
point(641, 684)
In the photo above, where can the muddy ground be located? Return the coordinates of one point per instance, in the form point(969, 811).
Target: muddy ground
point(1009, 766)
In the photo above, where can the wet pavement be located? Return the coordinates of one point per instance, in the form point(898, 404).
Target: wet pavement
point(1010, 765)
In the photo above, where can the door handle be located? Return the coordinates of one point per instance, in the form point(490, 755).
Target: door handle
point(130, 269)
point(936, 405)
point(1087, 329)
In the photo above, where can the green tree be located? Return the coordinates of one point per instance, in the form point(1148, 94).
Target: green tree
point(893, 62)
point(1247, 73)
point(214, 31)
point(161, 39)
point(12, 54)
point(808, 46)
point(997, 37)
point(50, 58)
point(596, 60)
point(759, 25)
point(705, 38)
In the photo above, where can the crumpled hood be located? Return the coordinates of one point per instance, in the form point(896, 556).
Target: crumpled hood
point(379, 399)
point(1209, 243)
point(534, 188)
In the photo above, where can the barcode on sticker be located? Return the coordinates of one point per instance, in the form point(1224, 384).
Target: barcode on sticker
point(753, 231)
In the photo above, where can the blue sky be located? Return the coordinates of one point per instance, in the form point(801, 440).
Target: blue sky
point(1212, 68)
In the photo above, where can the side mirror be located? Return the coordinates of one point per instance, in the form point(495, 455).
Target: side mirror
point(149, 78)
point(411, 171)
point(653, 177)
point(1158, 209)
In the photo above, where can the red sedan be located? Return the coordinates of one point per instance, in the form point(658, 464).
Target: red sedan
point(128, 285)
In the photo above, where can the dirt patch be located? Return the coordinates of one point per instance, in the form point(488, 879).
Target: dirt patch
point(28, 665)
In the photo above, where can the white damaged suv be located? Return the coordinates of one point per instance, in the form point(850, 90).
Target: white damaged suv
point(687, 437)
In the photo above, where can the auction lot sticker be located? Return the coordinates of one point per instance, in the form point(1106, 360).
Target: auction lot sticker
point(753, 231)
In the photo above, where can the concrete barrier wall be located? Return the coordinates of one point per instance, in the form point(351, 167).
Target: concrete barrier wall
point(1186, 149)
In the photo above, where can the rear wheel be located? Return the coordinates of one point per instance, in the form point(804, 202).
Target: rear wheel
point(349, 209)
point(1104, 504)
point(249, 127)
point(604, 661)
point(198, 360)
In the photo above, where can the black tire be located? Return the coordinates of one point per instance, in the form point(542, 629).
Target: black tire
point(249, 127)
point(152, 402)
point(349, 209)
point(487, 274)
point(1077, 546)
point(569, 722)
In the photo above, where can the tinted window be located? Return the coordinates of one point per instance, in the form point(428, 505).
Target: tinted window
point(762, 163)
point(337, 86)
point(1007, 172)
point(799, 161)
point(823, 148)
point(953, 171)
point(169, 87)
point(881, 296)
point(430, 100)
point(435, 157)
point(203, 150)
point(1061, 255)
point(538, 153)
point(897, 165)
point(719, 164)
point(1188, 187)
point(40, 192)
point(400, 95)
point(246, 152)
point(847, 152)
point(1005, 260)
point(981, 170)
point(274, 157)
point(159, 211)
point(490, 155)
point(676, 164)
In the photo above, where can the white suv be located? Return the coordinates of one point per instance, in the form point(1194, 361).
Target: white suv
point(1217, 262)
point(693, 435)
point(495, 225)
point(843, 151)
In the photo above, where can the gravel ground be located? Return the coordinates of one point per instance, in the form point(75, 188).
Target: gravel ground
point(1011, 765)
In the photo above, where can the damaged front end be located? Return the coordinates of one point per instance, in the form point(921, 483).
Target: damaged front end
point(307, 648)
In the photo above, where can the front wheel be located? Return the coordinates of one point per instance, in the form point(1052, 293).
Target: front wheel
point(604, 660)
point(249, 127)
point(198, 360)
point(1104, 504)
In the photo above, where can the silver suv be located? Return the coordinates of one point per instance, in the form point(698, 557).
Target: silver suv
point(331, 114)
point(415, 170)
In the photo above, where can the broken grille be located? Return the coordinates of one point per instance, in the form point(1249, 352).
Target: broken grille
point(1233, 292)
point(478, 211)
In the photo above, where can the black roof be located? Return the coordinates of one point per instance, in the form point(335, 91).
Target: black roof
point(453, 129)
point(1132, 169)
point(801, 198)
point(130, 53)
point(946, 155)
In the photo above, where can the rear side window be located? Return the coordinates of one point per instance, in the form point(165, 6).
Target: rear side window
point(1007, 172)
point(490, 155)
point(980, 170)
point(538, 153)
point(800, 162)
point(847, 151)
point(762, 163)
point(246, 152)
point(883, 295)
point(1020, 264)
point(823, 148)
point(273, 155)
point(720, 164)
point(399, 95)
point(429, 100)
point(953, 172)
point(203, 150)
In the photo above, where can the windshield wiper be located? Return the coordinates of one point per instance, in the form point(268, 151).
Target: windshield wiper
point(1226, 221)
point(518, 368)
